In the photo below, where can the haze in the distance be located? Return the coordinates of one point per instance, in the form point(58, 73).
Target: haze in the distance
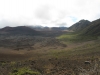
point(47, 12)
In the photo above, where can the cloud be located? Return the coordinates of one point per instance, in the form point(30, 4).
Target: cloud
point(43, 12)
point(62, 24)
point(4, 23)
point(47, 12)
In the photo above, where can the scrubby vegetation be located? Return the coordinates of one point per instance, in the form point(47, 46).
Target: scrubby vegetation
point(67, 60)
point(66, 53)
point(74, 37)
point(24, 71)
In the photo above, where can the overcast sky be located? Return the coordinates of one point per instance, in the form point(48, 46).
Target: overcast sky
point(47, 12)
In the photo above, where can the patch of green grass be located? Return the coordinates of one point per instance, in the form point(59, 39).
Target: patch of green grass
point(75, 38)
point(24, 71)
point(67, 37)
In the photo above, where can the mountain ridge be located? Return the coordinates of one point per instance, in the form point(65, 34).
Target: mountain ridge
point(18, 30)
point(79, 25)
point(93, 28)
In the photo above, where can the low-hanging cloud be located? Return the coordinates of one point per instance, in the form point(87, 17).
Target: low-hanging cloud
point(4, 23)
point(62, 25)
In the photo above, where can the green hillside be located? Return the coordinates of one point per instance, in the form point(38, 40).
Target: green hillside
point(82, 32)
point(93, 29)
point(79, 25)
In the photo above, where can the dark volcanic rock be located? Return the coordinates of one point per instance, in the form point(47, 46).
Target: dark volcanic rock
point(18, 30)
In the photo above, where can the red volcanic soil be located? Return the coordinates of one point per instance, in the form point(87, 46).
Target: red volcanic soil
point(9, 54)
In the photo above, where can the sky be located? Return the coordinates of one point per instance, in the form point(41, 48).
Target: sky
point(47, 12)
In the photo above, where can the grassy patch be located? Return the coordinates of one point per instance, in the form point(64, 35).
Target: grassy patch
point(24, 71)
point(75, 38)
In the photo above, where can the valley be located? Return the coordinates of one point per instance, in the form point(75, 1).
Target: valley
point(49, 52)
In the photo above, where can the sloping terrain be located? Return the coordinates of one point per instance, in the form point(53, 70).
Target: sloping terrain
point(29, 42)
point(23, 37)
point(18, 30)
point(67, 61)
point(68, 54)
point(87, 33)
point(79, 25)
point(93, 28)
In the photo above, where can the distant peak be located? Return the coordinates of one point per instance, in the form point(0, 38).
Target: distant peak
point(80, 25)
point(83, 20)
